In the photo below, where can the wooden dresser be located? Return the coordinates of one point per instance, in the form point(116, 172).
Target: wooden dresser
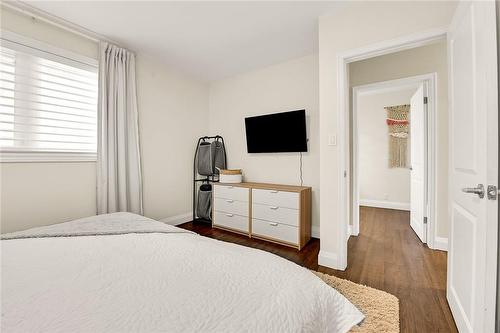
point(277, 213)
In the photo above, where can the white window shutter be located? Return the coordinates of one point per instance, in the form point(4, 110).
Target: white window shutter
point(48, 103)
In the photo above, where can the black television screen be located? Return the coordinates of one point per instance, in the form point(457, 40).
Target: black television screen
point(277, 133)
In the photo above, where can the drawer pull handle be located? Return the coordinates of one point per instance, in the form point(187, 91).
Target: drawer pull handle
point(229, 215)
point(273, 224)
point(274, 207)
point(274, 191)
point(230, 201)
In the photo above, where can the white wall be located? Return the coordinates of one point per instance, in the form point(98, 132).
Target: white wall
point(378, 182)
point(173, 111)
point(34, 194)
point(287, 86)
point(421, 60)
point(353, 26)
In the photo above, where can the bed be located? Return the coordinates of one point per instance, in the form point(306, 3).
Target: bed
point(123, 272)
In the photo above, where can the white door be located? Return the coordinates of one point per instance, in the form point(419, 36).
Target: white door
point(417, 161)
point(473, 162)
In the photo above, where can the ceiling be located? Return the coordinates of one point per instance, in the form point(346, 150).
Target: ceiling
point(208, 40)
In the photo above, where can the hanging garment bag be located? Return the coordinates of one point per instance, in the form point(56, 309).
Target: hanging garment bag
point(219, 156)
point(205, 159)
point(210, 157)
point(204, 207)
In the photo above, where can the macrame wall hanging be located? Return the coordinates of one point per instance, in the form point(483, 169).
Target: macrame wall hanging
point(397, 122)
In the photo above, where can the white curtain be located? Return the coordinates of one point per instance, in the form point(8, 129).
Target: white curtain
point(119, 183)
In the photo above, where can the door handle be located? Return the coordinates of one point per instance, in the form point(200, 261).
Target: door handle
point(229, 201)
point(274, 207)
point(479, 190)
point(274, 224)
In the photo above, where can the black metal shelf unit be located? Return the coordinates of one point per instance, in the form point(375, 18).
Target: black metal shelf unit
point(208, 179)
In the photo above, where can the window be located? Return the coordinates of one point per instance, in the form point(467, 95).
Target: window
point(48, 104)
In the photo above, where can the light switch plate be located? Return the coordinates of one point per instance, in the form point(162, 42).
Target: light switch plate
point(332, 140)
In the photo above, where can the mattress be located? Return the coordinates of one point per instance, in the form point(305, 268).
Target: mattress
point(166, 280)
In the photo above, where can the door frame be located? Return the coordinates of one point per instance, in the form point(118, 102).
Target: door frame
point(430, 90)
point(343, 60)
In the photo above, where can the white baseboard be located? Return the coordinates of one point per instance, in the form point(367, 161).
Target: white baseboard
point(385, 204)
point(328, 259)
point(178, 219)
point(440, 243)
point(315, 231)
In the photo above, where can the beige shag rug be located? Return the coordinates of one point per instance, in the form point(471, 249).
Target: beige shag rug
point(381, 309)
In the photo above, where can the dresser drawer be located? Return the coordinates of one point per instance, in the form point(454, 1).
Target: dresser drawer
point(231, 192)
point(278, 214)
point(276, 198)
point(231, 206)
point(276, 231)
point(231, 221)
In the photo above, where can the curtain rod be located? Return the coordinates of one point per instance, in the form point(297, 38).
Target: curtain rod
point(41, 15)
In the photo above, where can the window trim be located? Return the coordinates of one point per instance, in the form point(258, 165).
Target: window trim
point(26, 42)
point(22, 43)
point(46, 156)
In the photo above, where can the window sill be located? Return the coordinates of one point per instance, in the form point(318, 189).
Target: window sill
point(47, 156)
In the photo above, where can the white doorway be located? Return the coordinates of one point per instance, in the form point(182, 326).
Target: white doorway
point(472, 211)
point(409, 186)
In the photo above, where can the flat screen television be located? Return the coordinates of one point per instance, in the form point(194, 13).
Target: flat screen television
point(282, 132)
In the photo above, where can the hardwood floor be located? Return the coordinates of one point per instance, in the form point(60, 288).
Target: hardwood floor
point(386, 255)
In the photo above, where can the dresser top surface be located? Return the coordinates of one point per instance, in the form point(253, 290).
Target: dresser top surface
point(266, 186)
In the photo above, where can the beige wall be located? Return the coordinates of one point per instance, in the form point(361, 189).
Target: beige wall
point(287, 86)
point(378, 182)
point(35, 194)
point(354, 26)
point(173, 112)
point(422, 60)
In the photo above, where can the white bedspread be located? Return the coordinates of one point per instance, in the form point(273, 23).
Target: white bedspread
point(161, 282)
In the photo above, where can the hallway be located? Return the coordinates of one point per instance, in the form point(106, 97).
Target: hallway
point(388, 255)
